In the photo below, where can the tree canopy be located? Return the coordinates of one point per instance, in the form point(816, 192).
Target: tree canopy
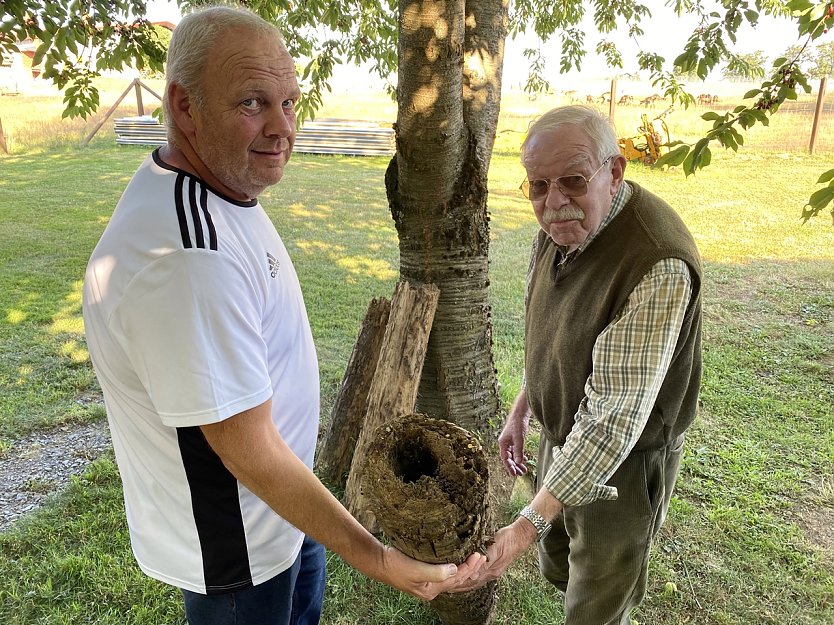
point(823, 59)
point(78, 39)
point(746, 66)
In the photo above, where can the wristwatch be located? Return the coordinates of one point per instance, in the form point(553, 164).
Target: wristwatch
point(542, 526)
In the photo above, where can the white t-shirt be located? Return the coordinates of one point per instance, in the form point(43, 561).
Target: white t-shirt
point(193, 313)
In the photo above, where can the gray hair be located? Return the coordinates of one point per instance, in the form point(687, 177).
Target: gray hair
point(589, 119)
point(191, 43)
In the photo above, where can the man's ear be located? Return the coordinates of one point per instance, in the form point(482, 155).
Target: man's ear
point(179, 106)
point(618, 165)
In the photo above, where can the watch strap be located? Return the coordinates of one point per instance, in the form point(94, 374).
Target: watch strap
point(542, 526)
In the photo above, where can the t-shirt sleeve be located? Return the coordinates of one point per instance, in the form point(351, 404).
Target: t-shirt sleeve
point(191, 325)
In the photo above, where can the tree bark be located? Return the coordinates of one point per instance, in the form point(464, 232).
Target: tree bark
point(397, 378)
point(352, 402)
point(427, 483)
point(450, 58)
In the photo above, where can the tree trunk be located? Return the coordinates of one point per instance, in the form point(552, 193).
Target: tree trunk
point(450, 58)
point(394, 387)
point(352, 403)
point(427, 484)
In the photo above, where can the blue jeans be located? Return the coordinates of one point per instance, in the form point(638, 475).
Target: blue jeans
point(293, 597)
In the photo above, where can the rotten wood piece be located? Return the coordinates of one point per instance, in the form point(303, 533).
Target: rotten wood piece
point(393, 390)
point(352, 402)
point(427, 484)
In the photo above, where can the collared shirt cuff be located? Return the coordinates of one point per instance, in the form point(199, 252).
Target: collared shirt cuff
point(571, 487)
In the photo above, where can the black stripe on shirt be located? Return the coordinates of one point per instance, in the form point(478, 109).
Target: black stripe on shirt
point(207, 214)
point(178, 193)
point(195, 213)
point(217, 514)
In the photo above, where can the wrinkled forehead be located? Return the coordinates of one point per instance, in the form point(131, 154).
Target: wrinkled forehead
point(241, 47)
point(243, 57)
point(563, 148)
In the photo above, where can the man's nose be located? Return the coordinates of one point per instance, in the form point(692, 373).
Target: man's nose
point(555, 196)
point(280, 124)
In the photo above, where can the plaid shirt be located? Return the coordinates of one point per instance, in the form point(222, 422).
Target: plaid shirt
point(630, 360)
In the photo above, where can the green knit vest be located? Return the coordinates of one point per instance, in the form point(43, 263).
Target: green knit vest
point(569, 307)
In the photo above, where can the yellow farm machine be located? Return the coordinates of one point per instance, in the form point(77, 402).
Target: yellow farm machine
point(650, 143)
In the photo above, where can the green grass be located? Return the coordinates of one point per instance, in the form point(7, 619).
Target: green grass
point(742, 544)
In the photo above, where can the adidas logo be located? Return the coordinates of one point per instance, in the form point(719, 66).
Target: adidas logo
point(274, 265)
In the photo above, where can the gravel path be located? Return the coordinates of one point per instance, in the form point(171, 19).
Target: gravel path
point(41, 464)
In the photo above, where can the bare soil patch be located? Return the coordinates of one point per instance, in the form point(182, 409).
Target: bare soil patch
point(818, 525)
point(40, 464)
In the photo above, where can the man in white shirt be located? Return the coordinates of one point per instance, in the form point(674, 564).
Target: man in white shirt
point(199, 337)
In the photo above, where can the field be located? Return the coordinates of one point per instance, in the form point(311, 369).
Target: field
point(750, 537)
point(30, 121)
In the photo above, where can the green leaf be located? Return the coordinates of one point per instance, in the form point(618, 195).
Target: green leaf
point(703, 70)
point(818, 11)
point(37, 59)
point(697, 153)
point(821, 198)
point(673, 158)
point(688, 169)
point(829, 175)
point(728, 141)
point(798, 5)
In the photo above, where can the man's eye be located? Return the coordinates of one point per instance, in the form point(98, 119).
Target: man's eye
point(538, 186)
point(288, 104)
point(250, 103)
point(572, 181)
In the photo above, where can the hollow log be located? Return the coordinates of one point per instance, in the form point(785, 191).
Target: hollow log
point(393, 391)
point(427, 484)
point(352, 402)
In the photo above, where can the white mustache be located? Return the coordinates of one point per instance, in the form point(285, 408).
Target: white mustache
point(567, 213)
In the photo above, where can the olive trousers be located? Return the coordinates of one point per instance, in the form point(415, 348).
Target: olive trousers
point(597, 555)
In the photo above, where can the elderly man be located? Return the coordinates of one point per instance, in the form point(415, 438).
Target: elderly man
point(612, 368)
point(199, 337)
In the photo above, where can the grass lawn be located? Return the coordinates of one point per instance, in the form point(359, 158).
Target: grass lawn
point(749, 538)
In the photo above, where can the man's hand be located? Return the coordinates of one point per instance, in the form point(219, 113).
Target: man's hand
point(511, 440)
point(508, 544)
point(426, 581)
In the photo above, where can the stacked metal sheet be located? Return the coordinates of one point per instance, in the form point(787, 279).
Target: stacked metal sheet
point(325, 136)
point(144, 130)
point(340, 136)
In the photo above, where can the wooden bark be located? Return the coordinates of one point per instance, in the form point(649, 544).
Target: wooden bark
point(352, 402)
point(427, 483)
point(393, 391)
point(449, 86)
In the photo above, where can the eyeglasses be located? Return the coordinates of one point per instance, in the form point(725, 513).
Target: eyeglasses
point(574, 185)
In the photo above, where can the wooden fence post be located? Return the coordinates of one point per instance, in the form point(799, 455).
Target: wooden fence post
point(612, 102)
point(817, 114)
point(135, 84)
point(139, 106)
point(3, 144)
